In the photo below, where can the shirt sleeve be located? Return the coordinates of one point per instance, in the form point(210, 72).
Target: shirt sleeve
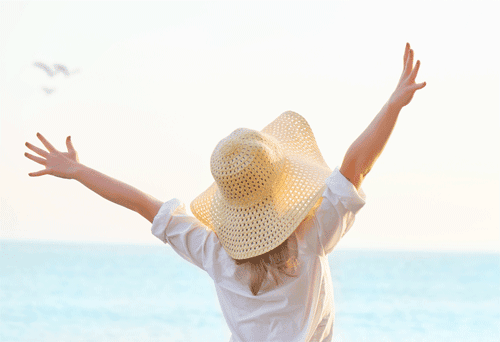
point(335, 216)
point(184, 233)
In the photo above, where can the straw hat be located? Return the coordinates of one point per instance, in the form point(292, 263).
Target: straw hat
point(265, 184)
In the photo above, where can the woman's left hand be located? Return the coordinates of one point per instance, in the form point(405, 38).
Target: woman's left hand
point(406, 87)
point(59, 164)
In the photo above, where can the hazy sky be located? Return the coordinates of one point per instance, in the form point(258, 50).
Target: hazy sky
point(160, 83)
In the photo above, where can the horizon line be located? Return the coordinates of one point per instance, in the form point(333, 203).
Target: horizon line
point(159, 244)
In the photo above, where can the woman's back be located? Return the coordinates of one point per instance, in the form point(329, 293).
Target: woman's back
point(290, 311)
point(299, 309)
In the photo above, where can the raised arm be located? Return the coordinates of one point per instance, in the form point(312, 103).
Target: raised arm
point(366, 149)
point(66, 165)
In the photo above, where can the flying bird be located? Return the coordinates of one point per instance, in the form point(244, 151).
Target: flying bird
point(51, 72)
point(57, 68)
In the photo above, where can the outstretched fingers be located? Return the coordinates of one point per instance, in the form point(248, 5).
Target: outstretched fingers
point(37, 150)
point(409, 64)
point(57, 163)
point(414, 72)
point(42, 153)
point(36, 159)
point(46, 143)
point(413, 76)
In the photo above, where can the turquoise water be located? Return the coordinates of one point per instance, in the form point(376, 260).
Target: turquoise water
point(96, 292)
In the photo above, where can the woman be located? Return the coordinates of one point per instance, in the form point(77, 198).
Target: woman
point(264, 229)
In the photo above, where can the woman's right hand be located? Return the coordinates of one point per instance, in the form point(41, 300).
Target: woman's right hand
point(59, 164)
point(406, 87)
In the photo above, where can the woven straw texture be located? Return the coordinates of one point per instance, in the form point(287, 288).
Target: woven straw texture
point(265, 184)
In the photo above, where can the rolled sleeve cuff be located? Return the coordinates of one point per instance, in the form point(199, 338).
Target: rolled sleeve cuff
point(162, 219)
point(352, 199)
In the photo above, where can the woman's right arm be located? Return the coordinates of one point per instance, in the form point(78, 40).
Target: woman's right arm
point(366, 149)
point(66, 165)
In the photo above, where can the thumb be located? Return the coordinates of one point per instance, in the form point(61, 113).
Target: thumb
point(420, 85)
point(69, 144)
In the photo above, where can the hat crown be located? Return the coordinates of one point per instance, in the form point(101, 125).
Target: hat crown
point(246, 165)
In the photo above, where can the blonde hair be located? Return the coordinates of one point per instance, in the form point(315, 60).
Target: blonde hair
point(279, 262)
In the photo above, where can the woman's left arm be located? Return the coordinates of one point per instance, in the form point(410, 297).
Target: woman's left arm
point(66, 165)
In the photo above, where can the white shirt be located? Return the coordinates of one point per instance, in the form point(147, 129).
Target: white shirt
point(301, 309)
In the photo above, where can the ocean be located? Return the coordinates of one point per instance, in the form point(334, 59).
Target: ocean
point(56, 291)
